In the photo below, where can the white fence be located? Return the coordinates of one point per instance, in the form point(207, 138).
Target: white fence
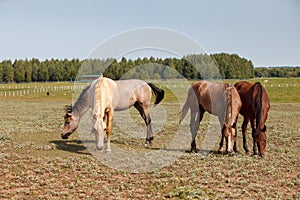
point(14, 91)
point(22, 90)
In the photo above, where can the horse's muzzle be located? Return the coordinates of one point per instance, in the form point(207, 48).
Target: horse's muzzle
point(65, 135)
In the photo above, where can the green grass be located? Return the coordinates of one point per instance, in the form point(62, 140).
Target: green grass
point(36, 163)
point(280, 90)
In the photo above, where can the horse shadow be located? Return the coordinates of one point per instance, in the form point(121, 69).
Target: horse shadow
point(72, 146)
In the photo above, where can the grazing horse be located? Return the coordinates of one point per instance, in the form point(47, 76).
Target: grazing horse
point(105, 96)
point(255, 108)
point(221, 100)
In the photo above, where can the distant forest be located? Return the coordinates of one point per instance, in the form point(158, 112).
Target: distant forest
point(204, 66)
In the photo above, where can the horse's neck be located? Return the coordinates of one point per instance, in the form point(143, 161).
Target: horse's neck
point(228, 97)
point(79, 111)
point(82, 104)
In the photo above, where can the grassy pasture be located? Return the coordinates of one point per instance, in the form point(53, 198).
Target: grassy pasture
point(35, 163)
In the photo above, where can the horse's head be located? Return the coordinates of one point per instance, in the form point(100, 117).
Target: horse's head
point(233, 106)
point(71, 123)
point(229, 132)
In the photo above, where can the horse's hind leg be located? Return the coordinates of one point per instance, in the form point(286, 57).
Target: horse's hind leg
point(196, 118)
point(193, 125)
point(144, 112)
point(244, 131)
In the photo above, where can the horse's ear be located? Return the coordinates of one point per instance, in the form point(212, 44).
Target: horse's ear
point(68, 109)
point(226, 85)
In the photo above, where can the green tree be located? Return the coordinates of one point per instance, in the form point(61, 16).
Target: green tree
point(19, 71)
point(1, 72)
point(28, 71)
point(43, 74)
point(8, 71)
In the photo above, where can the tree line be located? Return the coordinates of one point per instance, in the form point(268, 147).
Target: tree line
point(277, 72)
point(203, 66)
point(38, 71)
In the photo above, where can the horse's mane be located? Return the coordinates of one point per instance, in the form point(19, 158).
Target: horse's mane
point(97, 92)
point(258, 105)
point(228, 97)
point(81, 104)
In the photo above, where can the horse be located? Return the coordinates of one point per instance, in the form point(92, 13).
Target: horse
point(255, 107)
point(105, 96)
point(221, 100)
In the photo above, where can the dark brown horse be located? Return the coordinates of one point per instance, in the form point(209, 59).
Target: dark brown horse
point(255, 108)
point(220, 100)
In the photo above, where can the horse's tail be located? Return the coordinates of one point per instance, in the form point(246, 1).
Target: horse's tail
point(186, 105)
point(258, 106)
point(159, 93)
point(184, 111)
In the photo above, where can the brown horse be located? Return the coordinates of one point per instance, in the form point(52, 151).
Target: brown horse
point(220, 100)
point(255, 107)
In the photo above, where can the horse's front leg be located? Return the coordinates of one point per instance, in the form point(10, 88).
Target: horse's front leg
point(223, 130)
point(99, 133)
point(221, 144)
point(108, 128)
point(222, 139)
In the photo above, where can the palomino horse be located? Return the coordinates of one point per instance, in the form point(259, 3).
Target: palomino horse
point(220, 100)
point(255, 107)
point(105, 96)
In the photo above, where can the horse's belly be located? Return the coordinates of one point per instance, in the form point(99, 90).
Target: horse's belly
point(122, 106)
point(119, 108)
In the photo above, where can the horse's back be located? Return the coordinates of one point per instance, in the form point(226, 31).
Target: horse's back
point(210, 96)
point(131, 91)
point(131, 84)
point(248, 93)
point(236, 101)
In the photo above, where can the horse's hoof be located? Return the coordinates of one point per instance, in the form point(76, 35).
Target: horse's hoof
point(220, 152)
point(261, 155)
point(147, 145)
point(193, 151)
point(148, 141)
point(99, 148)
point(108, 150)
point(255, 155)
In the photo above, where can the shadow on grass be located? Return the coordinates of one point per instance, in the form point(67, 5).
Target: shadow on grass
point(166, 149)
point(73, 146)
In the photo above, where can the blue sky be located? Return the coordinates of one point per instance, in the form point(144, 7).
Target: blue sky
point(266, 32)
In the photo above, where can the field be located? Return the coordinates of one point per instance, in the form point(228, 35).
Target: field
point(35, 163)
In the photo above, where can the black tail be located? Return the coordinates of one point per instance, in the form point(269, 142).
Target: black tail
point(159, 93)
point(258, 106)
